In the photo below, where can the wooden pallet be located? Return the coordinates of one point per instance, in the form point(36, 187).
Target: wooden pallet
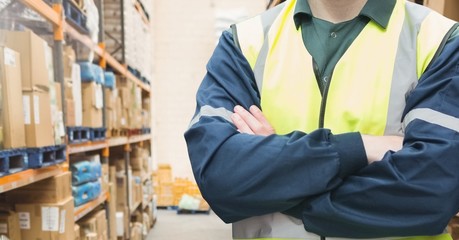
point(199, 211)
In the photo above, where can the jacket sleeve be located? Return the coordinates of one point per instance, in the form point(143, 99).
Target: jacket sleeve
point(242, 175)
point(414, 191)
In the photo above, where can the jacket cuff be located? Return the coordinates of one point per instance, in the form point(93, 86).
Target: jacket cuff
point(351, 152)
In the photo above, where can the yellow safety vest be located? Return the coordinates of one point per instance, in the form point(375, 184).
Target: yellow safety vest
point(366, 92)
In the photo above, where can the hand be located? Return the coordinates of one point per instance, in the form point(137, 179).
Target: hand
point(377, 146)
point(253, 122)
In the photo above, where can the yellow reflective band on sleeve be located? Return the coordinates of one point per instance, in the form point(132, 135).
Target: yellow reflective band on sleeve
point(428, 40)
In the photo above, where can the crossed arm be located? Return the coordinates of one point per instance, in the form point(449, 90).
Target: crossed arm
point(254, 122)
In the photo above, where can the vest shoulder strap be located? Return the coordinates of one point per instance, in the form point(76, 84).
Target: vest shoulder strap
point(249, 35)
point(452, 33)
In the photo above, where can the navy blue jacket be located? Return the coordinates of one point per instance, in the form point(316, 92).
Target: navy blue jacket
point(320, 177)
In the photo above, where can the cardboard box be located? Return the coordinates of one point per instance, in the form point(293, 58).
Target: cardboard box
point(58, 88)
point(110, 119)
point(137, 191)
point(76, 232)
point(11, 112)
point(122, 81)
point(449, 8)
point(112, 208)
point(88, 226)
point(92, 95)
point(121, 191)
point(136, 231)
point(92, 104)
point(110, 98)
point(68, 88)
point(112, 203)
point(69, 57)
point(137, 163)
point(1, 132)
point(37, 118)
point(94, 223)
point(39, 221)
point(70, 120)
point(125, 94)
point(57, 117)
point(164, 173)
point(110, 108)
point(9, 225)
point(101, 225)
point(120, 164)
point(51, 190)
point(120, 121)
point(92, 118)
point(76, 87)
point(105, 177)
point(34, 62)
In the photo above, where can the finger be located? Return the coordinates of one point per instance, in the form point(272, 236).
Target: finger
point(241, 125)
point(258, 114)
point(250, 120)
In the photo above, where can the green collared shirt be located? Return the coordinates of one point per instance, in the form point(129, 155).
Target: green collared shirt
point(327, 42)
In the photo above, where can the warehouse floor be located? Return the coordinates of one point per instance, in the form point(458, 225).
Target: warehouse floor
point(172, 226)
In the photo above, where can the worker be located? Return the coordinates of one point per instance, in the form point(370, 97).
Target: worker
point(323, 119)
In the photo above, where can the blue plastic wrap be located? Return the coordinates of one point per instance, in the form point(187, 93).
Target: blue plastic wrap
point(91, 72)
point(110, 80)
point(86, 192)
point(85, 171)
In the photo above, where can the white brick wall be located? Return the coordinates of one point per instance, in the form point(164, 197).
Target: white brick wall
point(184, 39)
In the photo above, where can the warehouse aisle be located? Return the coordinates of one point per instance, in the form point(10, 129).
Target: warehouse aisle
point(173, 226)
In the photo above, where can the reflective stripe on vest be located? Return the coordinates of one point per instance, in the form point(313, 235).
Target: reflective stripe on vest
point(363, 97)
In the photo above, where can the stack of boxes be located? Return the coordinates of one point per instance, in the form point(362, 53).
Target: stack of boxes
point(139, 174)
point(45, 209)
point(92, 77)
point(72, 89)
point(9, 224)
point(137, 34)
point(171, 192)
point(111, 95)
point(185, 192)
point(123, 197)
point(12, 118)
point(162, 182)
point(94, 226)
point(30, 54)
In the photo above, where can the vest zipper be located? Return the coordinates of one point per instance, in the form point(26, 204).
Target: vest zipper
point(323, 104)
point(324, 92)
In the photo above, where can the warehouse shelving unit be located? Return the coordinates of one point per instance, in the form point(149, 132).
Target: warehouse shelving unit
point(84, 209)
point(110, 142)
point(29, 176)
point(54, 15)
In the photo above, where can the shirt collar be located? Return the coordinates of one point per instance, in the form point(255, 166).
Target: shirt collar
point(377, 10)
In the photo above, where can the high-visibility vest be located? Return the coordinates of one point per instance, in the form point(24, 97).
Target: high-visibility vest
point(366, 92)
